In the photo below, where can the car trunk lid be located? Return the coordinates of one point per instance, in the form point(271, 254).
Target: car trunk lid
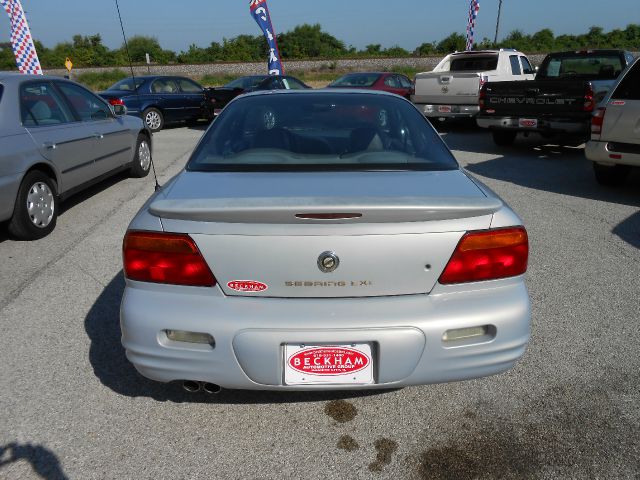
point(395, 240)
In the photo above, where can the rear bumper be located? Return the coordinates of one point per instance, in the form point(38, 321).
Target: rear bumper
point(448, 110)
point(405, 333)
point(571, 126)
point(606, 153)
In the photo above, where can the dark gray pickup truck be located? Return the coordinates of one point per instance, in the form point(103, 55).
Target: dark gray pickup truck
point(560, 100)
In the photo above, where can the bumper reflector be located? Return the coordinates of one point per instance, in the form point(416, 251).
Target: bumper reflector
point(469, 335)
point(190, 337)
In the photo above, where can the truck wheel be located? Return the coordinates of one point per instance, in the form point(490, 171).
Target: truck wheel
point(611, 175)
point(504, 138)
point(36, 209)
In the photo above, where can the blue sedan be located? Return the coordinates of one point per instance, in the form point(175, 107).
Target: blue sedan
point(159, 99)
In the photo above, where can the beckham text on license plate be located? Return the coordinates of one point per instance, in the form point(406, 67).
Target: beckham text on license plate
point(328, 364)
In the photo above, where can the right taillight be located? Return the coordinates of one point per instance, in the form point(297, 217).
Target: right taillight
point(488, 255)
point(597, 120)
point(482, 95)
point(160, 257)
point(116, 101)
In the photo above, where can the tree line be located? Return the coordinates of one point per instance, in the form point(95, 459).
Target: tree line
point(305, 42)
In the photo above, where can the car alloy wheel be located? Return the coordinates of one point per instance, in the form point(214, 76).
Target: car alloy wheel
point(144, 155)
point(153, 120)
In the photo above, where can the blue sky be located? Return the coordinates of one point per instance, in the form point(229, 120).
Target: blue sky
point(406, 23)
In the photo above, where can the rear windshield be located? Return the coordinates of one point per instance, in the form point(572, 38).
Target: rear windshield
point(596, 67)
point(321, 131)
point(245, 82)
point(356, 80)
point(474, 63)
point(127, 84)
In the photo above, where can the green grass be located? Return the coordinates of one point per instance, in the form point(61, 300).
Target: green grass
point(102, 80)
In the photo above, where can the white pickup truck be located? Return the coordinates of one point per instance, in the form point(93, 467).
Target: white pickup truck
point(452, 89)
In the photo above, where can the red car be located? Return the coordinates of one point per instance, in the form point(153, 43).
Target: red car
point(386, 81)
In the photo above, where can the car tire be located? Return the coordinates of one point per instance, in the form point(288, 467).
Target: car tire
point(504, 138)
point(611, 175)
point(142, 158)
point(153, 119)
point(36, 210)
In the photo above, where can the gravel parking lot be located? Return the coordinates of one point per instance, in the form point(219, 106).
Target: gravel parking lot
point(71, 406)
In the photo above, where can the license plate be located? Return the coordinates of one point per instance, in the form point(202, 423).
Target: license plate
point(528, 122)
point(328, 364)
point(444, 108)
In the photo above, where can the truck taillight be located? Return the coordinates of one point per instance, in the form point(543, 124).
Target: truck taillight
point(482, 96)
point(160, 257)
point(488, 255)
point(597, 120)
point(589, 99)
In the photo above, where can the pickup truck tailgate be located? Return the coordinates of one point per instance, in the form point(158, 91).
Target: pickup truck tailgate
point(535, 98)
point(446, 87)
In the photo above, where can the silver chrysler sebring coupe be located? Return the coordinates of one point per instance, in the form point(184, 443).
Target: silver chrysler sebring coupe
point(323, 240)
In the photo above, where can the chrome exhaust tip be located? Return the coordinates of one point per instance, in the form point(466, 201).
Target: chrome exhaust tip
point(191, 386)
point(211, 388)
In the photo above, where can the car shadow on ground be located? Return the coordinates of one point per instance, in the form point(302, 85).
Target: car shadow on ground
point(43, 461)
point(110, 365)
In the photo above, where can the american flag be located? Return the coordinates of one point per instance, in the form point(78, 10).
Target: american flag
point(21, 41)
point(474, 8)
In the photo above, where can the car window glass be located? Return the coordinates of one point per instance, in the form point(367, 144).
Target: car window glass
point(596, 67)
point(629, 87)
point(404, 81)
point(127, 84)
point(164, 85)
point(356, 80)
point(474, 63)
point(321, 131)
point(527, 69)
point(391, 81)
point(41, 104)
point(188, 86)
point(88, 106)
point(294, 84)
point(515, 65)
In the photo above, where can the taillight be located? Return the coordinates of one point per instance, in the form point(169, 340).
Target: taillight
point(116, 101)
point(589, 99)
point(165, 258)
point(597, 120)
point(483, 94)
point(488, 255)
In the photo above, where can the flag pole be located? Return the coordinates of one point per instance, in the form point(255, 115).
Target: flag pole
point(495, 40)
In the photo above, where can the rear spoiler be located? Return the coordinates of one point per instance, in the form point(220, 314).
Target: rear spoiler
point(288, 210)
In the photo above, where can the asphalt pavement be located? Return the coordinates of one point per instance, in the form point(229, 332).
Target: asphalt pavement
point(71, 406)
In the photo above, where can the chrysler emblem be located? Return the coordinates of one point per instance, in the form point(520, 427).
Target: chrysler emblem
point(445, 89)
point(328, 262)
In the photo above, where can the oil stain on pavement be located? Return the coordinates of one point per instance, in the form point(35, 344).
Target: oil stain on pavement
point(385, 449)
point(341, 411)
point(348, 443)
point(578, 430)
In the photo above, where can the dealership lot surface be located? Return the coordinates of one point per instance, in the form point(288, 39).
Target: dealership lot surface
point(71, 406)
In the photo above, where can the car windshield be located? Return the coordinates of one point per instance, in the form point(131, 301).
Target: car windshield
point(474, 63)
point(601, 67)
point(321, 131)
point(127, 84)
point(356, 80)
point(245, 82)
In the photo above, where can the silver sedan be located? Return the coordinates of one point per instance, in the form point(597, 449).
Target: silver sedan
point(323, 240)
point(56, 138)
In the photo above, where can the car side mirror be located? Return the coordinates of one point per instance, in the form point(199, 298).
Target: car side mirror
point(119, 110)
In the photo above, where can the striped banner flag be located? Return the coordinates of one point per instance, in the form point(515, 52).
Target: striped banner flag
point(260, 13)
point(474, 8)
point(21, 41)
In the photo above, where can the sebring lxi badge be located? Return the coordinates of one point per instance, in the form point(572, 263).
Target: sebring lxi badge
point(328, 262)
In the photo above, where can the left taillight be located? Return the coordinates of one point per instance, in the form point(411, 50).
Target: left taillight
point(589, 99)
point(159, 257)
point(488, 255)
point(116, 101)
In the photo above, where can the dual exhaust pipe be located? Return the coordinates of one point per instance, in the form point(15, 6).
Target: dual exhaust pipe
point(193, 386)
